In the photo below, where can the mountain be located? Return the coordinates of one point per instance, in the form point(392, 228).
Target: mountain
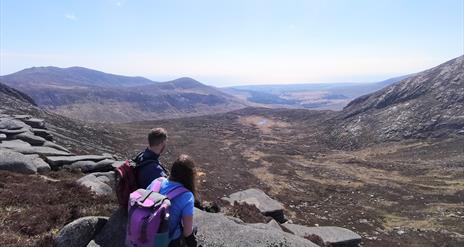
point(70, 77)
point(96, 96)
point(320, 96)
point(427, 104)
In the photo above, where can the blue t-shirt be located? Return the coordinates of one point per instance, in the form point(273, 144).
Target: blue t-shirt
point(181, 206)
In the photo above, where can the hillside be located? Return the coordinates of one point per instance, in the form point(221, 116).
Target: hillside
point(95, 96)
point(428, 104)
point(70, 77)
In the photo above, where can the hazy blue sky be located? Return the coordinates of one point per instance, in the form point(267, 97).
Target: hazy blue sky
point(234, 41)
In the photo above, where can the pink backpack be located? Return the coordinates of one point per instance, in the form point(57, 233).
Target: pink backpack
point(148, 217)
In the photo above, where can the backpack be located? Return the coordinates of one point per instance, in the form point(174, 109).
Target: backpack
point(148, 216)
point(126, 182)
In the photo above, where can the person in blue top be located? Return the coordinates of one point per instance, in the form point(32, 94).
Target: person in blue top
point(183, 173)
point(148, 166)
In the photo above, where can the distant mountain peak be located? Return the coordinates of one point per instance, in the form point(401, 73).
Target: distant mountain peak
point(71, 76)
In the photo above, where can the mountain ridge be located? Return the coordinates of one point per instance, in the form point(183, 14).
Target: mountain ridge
point(95, 96)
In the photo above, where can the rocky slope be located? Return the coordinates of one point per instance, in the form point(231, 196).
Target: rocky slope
point(74, 135)
point(95, 96)
point(428, 104)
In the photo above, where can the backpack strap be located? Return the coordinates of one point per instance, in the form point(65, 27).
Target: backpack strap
point(176, 192)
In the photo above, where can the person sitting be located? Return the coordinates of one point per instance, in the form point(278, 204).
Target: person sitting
point(183, 173)
point(148, 165)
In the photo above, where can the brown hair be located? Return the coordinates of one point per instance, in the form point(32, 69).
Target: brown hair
point(183, 171)
point(157, 136)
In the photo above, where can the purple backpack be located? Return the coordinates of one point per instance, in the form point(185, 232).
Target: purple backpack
point(148, 217)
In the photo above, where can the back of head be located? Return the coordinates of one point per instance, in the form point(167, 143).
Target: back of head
point(183, 171)
point(157, 136)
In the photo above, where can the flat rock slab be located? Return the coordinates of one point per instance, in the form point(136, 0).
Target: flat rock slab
point(263, 202)
point(12, 144)
point(215, 229)
point(36, 123)
point(56, 161)
point(30, 138)
point(12, 124)
point(14, 132)
point(55, 146)
point(88, 166)
point(21, 117)
point(43, 151)
point(16, 162)
point(80, 232)
point(337, 236)
point(98, 182)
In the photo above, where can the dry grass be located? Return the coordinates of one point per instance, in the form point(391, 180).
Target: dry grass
point(33, 209)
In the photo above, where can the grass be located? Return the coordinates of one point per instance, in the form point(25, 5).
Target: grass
point(33, 209)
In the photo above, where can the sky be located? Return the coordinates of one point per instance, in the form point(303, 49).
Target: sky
point(234, 42)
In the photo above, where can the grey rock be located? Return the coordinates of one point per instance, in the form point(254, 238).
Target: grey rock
point(40, 164)
point(331, 234)
point(105, 165)
point(93, 244)
point(88, 166)
point(270, 225)
point(2, 137)
point(12, 144)
point(12, 124)
point(16, 162)
point(215, 229)
point(21, 117)
point(117, 164)
point(83, 165)
point(43, 151)
point(14, 132)
point(80, 232)
point(56, 161)
point(30, 138)
point(46, 134)
point(35, 123)
point(99, 182)
point(263, 202)
point(55, 146)
point(113, 233)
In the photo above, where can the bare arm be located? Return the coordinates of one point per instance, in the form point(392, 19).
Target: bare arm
point(187, 222)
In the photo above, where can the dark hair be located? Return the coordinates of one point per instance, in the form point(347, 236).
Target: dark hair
point(183, 171)
point(157, 136)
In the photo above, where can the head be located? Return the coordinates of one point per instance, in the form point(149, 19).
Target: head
point(157, 139)
point(183, 171)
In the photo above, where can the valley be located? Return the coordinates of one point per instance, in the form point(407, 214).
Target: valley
point(389, 166)
point(408, 192)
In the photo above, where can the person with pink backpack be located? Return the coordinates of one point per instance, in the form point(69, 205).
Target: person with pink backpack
point(162, 215)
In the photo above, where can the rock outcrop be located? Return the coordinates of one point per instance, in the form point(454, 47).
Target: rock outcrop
point(27, 147)
point(16, 162)
point(80, 232)
point(99, 182)
point(336, 236)
point(266, 205)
